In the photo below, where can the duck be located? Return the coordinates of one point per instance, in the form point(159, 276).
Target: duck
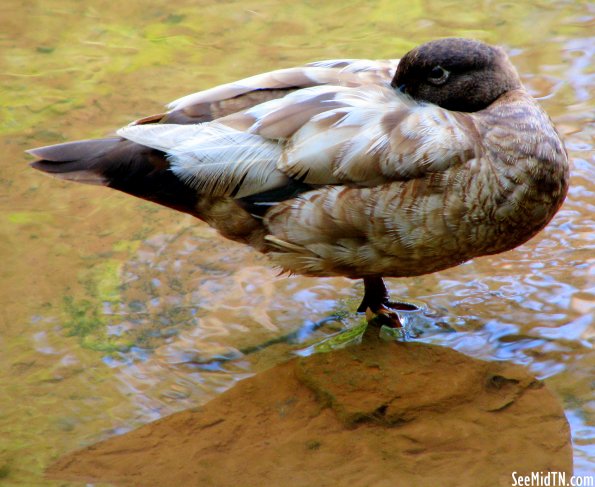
point(367, 169)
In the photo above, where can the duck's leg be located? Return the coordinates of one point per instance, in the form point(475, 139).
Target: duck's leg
point(377, 301)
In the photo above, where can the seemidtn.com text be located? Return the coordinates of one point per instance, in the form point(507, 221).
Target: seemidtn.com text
point(551, 479)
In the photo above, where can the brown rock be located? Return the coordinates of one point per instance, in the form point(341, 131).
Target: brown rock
point(377, 414)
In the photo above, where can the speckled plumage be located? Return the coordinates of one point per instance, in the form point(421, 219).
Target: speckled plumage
point(502, 187)
point(339, 168)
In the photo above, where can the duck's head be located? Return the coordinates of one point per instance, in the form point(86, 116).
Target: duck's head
point(456, 74)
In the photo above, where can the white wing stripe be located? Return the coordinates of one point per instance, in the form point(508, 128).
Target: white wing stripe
point(214, 158)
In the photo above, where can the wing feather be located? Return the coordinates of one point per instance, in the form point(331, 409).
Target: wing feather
point(303, 77)
point(366, 136)
point(327, 134)
point(213, 158)
point(343, 72)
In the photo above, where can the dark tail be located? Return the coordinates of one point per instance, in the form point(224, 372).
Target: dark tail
point(119, 164)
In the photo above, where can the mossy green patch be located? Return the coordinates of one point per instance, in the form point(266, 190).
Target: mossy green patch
point(84, 317)
point(342, 339)
point(28, 217)
point(102, 280)
point(128, 246)
point(85, 320)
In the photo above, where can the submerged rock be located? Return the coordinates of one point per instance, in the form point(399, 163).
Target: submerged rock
point(375, 414)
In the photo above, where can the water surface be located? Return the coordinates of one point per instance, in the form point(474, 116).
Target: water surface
point(116, 312)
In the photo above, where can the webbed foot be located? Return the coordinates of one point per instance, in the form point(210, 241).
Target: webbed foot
point(378, 307)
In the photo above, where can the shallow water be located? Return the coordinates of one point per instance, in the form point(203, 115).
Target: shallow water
point(116, 312)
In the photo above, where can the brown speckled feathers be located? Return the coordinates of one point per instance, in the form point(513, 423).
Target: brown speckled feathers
point(346, 168)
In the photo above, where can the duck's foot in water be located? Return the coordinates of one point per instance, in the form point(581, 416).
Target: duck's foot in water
point(379, 309)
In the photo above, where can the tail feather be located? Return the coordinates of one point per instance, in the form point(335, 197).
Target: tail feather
point(74, 151)
point(71, 161)
point(119, 164)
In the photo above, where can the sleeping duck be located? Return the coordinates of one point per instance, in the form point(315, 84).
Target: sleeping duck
point(356, 168)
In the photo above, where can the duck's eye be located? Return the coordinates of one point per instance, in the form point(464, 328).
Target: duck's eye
point(438, 75)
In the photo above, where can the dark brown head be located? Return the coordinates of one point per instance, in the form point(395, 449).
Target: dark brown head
point(457, 74)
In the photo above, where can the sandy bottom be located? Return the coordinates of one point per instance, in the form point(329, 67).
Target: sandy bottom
point(375, 414)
